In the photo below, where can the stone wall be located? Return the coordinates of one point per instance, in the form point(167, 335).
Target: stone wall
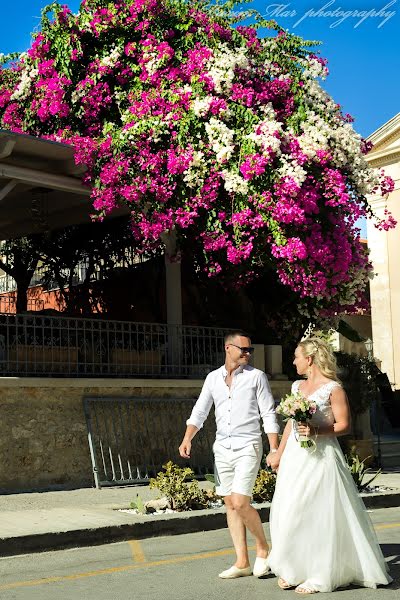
point(44, 443)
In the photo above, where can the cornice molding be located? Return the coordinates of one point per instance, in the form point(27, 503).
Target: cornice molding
point(383, 158)
point(387, 139)
point(386, 131)
point(377, 202)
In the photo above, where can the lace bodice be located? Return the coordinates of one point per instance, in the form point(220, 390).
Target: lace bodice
point(324, 414)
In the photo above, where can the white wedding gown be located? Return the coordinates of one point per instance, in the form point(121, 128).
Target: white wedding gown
point(321, 534)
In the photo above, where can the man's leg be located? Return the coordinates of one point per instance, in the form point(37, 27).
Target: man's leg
point(246, 468)
point(249, 517)
point(224, 474)
point(237, 530)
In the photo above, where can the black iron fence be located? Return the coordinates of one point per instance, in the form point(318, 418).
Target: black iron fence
point(52, 346)
point(131, 438)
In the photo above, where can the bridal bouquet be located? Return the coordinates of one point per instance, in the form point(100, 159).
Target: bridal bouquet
point(300, 409)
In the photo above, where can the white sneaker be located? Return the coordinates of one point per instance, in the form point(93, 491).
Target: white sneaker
point(235, 572)
point(261, 567)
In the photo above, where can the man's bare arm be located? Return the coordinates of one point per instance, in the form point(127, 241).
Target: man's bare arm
point(186, 445)
point(275, 458)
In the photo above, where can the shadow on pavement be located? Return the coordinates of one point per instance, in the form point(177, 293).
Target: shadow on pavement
point(392, 551)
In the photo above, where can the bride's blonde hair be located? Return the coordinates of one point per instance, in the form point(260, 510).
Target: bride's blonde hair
point(322, 355)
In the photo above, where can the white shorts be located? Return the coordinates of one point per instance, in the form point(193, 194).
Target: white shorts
point(236, 470)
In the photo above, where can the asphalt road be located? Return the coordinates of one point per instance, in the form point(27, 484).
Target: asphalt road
point(170, 568)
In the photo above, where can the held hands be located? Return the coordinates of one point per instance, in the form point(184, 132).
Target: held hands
point(185, 448)
point(273, 460)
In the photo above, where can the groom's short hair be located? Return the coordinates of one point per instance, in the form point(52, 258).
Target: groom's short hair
point(230, 336)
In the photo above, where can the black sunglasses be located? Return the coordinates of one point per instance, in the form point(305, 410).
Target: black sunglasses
point(244, 349)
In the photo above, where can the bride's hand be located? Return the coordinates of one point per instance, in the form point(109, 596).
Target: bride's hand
point(305, 429)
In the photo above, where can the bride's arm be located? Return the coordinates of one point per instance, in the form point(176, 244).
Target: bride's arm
point(276, 457)
point(341, 412)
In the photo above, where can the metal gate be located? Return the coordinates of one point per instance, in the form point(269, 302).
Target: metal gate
point(131, 438)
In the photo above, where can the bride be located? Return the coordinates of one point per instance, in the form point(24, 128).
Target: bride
point(322, 537)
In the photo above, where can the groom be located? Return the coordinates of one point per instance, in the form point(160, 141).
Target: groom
point(241, 394)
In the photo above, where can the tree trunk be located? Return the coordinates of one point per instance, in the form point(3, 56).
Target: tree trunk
point(173, 278)
point(22, 296)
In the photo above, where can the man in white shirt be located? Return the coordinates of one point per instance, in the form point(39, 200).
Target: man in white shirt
point(241, 394)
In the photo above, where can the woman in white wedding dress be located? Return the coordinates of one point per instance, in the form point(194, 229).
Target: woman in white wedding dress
point(322, 537)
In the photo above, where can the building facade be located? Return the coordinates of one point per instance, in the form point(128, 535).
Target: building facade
point(385, 253)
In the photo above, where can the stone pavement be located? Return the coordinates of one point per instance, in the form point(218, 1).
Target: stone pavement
point(31, 522)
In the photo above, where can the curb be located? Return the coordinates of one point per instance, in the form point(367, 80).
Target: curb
point(170, 525)
point(381, 500)
point(156, 527)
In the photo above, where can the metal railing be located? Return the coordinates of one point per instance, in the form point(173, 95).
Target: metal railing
point(52, 346)
point(131, 438)
point(8, 284)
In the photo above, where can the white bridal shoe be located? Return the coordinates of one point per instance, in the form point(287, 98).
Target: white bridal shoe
point(260, 567)
point(235, 572)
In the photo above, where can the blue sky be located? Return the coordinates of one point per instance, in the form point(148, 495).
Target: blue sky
point(363, 51)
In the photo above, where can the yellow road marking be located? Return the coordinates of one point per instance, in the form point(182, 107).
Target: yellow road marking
point(137, 551)
point(154, 563)
point(387, 526)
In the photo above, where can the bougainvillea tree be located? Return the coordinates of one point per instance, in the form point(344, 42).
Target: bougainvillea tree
point(199, 125)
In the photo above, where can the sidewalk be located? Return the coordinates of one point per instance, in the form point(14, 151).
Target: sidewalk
point(53, 520)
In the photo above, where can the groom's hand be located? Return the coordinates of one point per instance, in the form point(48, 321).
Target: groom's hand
point(273, 459)
point(185, 448)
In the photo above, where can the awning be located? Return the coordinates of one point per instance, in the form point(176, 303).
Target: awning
point(40, 186)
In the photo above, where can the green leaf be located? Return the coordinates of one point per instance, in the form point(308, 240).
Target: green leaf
point(367, 483)
point(140, 504)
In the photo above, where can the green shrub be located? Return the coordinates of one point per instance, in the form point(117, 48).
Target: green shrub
point(180, 495)
point(264, 486)
point(358, 469)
